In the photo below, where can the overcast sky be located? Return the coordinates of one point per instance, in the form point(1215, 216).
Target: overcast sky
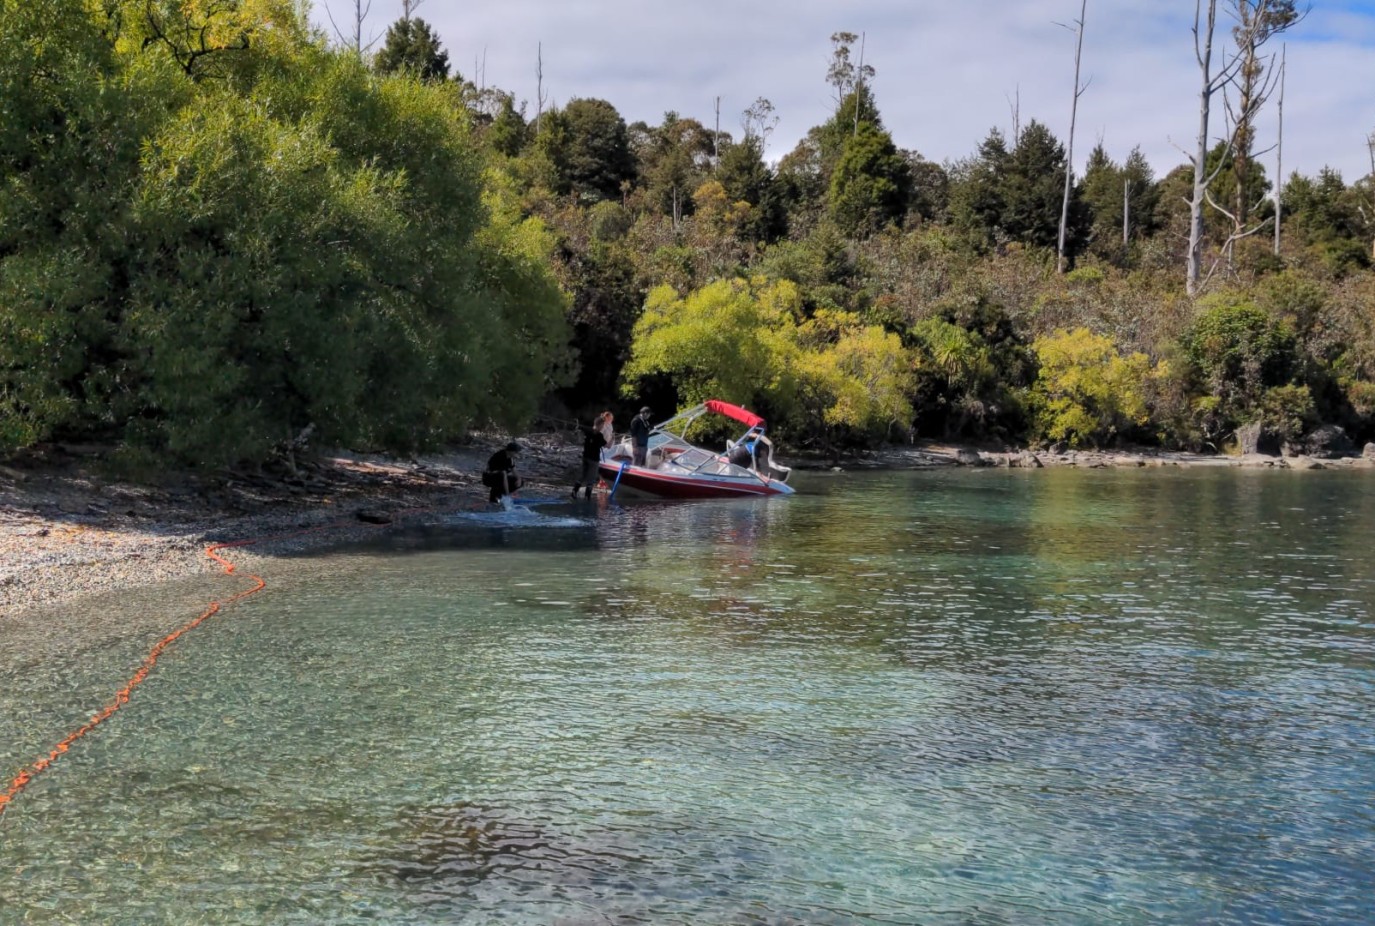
point(948, 71)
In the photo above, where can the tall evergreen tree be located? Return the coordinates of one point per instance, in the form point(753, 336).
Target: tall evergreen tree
point(930, 194)
point(871, 183)
point(1103, 187)
point(1033, 191)
point(747, 178)
point(1121, 200)
point(675, 157)
point(589, 149)
point(1323, 216)
point(508, 131)
point(976, 193)
point(1143, 193)
point(413, 47)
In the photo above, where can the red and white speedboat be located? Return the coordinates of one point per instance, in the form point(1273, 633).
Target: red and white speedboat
point(676, 468)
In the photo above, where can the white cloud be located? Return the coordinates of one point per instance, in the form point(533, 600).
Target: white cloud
point(947, 71)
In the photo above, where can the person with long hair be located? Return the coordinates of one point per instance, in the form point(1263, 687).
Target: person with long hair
point(608, 428)
point(594, 440)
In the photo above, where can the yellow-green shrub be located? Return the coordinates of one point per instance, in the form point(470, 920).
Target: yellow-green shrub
point(1086, 392)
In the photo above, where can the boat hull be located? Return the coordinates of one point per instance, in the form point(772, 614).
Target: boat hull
point(668, 485)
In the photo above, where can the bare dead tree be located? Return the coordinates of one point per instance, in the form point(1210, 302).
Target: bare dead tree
point(1279, 155)
point(1015, 104)
point(1069, 145)
point(859, 82)
point(1211, 84)
point(1255, 80)
point(759, 122)
point(361, 9)
point(540, 96)
point(1257, 22)
point(1370, 220)
point(408, 8)
point(716, 140)
point(1126, 211)
point(1366, 205)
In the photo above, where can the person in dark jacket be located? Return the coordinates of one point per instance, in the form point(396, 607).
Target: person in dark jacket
point(593, 441)
point(742, 454)
point(500, 476)
point(639, 436)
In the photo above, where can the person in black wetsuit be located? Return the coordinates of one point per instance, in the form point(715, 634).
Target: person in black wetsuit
point(593, 440)
point(500, 476)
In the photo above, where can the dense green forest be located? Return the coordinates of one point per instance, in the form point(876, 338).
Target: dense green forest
point(218, 232)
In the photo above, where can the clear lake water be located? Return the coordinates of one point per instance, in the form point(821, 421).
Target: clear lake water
point(967, 697)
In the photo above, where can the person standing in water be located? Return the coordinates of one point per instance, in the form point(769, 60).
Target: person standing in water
point(593, 441)
point(500, 476)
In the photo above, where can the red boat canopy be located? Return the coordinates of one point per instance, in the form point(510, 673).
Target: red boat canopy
point(747, 418)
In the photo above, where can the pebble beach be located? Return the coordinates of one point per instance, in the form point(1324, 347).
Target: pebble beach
point(67, 532)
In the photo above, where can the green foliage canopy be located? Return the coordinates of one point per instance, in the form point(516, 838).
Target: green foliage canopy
point(261, 236)
point(871, 183)
point(1239, 351)
point(827, 379)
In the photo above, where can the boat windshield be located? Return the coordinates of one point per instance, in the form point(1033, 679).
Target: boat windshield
point(701, 461)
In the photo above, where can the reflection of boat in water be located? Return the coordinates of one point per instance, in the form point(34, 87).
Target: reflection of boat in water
point(676, 468)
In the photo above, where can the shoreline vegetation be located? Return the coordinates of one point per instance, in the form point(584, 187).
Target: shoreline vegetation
point(224, 232)
point(226, 238)
point(68, 531)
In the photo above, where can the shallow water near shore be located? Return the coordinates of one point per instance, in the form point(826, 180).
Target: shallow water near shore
point(936, 697)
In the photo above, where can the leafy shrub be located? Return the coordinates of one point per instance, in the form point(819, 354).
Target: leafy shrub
point(1360, 398)
point(1086, 392)
point(1287, 411)
point(1089, 275)
point(1238, 351)
point(853, 381)
point(204, 267)
point(829, 379)
point(972, 369)
point(732, 340)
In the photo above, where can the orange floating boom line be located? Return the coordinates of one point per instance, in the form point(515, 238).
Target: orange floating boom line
point(42, 764)
point(26, 775)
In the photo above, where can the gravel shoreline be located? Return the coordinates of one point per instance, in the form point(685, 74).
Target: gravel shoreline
point(66, 533)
